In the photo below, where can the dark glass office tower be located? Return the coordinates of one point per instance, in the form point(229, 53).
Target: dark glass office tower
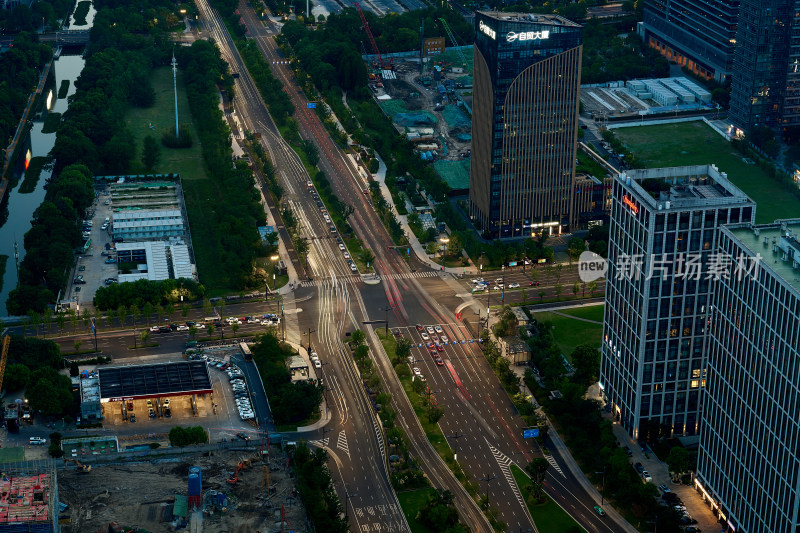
point(764, 91)
point(697, 34)
point(524, 123)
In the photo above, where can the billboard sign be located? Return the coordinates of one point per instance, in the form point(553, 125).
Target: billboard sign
point(530, 433)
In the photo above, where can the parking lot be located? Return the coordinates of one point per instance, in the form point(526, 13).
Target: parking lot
point(91, 266)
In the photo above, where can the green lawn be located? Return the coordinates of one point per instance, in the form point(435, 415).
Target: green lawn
point(589, 312)
point(570, 333)
point(694, 143)
point(411, 501)
point(188, 162)
point(12, 455)
point(548, 517)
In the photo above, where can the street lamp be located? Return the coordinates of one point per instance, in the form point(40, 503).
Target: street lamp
point(309, 332)
point(487, 479)
point(457, 436)
point(272, 260)
point(444, 241)
point(347, 497)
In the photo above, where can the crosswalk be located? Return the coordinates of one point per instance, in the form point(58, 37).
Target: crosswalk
point(358, 279)
point(504, 463)
point(341, 443)
point(321, 443)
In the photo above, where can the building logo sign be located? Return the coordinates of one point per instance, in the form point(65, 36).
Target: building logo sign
point(487, 30)
point(526, 36)
point(632, 206)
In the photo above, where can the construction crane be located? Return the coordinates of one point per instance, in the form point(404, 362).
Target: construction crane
point(4, 358)
point(455, 43)
point(81, 467)
point(368, 31)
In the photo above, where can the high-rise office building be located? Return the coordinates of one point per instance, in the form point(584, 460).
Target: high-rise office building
point(749, 455)
point(765, 90)
point(697, 34)
point(663, 233)
point(524, 123)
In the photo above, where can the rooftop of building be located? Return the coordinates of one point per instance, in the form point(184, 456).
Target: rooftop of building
point(551, 20)
point(777, 243)
point(682, 187)
point(154, 380)
point(26, 497)
point(90, 388)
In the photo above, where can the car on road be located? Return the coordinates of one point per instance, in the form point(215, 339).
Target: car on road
point(110, 260)
point(37, 440)
point(439, 347)
point(132, 418)
point(417, 371)
point(342, 248)
point(646, 476)
point(244, 436)
point(438, 329)
point(317, 364)
point(353, 267)
point(397, 333)
point(664, 487)
point(182, 328)
point(433, 353)
point(78, 288)
point(425, 336)
point(430, 330)
point(154, 329)
point(639, 468)
point(81, 268)
point(513, 285)
point(166, 402)
point(347, 255)
point(164, 329)
point(599, 510)
point(438, 360)
point(478, 281)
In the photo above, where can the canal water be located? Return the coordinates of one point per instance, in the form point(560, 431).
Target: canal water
point(21, 205)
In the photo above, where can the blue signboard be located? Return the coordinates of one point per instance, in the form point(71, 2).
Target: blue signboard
point(530, 433)
point(311, 105)
point(512, 264)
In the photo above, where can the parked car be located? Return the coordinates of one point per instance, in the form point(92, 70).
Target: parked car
point(438, 329)
point(164, 329)
point(425, 336)
point(664, 488)
point(646, 476)
point(513, 285)
point(430, 330)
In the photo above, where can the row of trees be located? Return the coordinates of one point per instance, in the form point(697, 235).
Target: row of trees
point(20, 67)
point(315, 485)
point(289, 401)
point(55, 233)
point(42, 14)
point(146, 292)
point(226, 230)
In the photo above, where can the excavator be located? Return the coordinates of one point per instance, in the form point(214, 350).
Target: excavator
point(244, 464)
point(80, 466)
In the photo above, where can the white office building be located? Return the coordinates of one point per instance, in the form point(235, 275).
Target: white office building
point(140, 224)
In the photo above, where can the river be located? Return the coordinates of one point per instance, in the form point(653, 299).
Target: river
point(22, 205)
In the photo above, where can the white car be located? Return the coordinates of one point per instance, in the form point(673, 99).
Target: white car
point(353, 267)
point(425, 336)
point(232, 320)
point(166, 402)
point(438, 329)
point(183, 328)
point(314, 356)
point(417, 371)
point(430, 330)
point(317, 364)
point(444, 339)
point(513, 285)
point(341, 247)
point(497, 287)
point(478, 281)
point(347, 255)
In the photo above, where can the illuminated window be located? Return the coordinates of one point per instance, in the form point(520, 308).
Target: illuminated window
point(695, 383)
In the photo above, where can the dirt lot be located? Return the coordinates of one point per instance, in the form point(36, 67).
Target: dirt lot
point(142, 494)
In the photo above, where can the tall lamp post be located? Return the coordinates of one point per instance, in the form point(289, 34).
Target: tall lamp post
point(457, 436)
point(487, 479)
point(444, 241)
point(309, 332)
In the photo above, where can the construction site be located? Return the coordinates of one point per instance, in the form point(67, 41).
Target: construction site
point(428, 96)
point(242, 489)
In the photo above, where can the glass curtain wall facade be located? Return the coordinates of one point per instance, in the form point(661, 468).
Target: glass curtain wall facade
point(749, 455)
point(664, 226)
point(697, 34)
point(525, 123)
point(765, 90)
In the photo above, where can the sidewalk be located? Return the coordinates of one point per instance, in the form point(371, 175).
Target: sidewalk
point(563, 452)
point(414, 244)
point(326, 411)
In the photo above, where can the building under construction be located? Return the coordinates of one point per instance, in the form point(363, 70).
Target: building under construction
point(28, 497)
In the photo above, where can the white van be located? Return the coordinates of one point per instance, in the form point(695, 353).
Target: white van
point(37, 441)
